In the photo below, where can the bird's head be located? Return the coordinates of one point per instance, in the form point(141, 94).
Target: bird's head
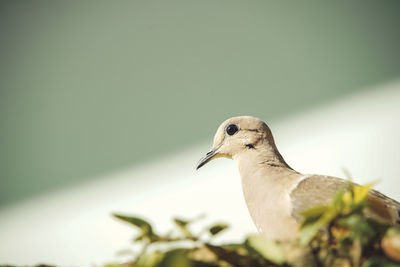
point(236, 135)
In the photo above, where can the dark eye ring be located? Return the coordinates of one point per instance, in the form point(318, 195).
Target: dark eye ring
point(232, 129)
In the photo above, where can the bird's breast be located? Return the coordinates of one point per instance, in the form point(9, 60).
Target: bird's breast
point(268, 201)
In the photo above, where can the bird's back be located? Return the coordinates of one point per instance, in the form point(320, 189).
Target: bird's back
point(319, 190)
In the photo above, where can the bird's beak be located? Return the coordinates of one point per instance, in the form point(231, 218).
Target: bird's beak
point(208, 157)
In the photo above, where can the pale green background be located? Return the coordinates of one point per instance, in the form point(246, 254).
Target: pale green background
point(88, 88)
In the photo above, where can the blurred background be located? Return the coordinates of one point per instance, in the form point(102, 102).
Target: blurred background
point(107, 106)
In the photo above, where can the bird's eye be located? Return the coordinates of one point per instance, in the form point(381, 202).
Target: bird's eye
point(232, 129)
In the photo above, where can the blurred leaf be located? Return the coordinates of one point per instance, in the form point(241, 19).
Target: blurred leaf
point(181, 222)
point(111, 265)
point(175, 258)
point(355, 252)
point(231, 256)
point(217, 228)
point(136, 221)
point(347, 174)
point(203, 254)
point(269, 249)
point(144, 226)
point(337, 199)
point(182, 225)
point(313, 214)
point(380, 262)
point(361, 192)
point(360, 228)
point(150, 259)
point(347, 198)
point(393, 231)
point(239, 247)
point(308, 231)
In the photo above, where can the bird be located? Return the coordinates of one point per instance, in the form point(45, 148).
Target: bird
point(276, 194)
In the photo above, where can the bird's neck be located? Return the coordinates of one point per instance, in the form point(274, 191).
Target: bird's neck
point(264, 166)
point(265, 157)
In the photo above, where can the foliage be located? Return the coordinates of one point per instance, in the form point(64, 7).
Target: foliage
point(338, 234)
point(183, 247)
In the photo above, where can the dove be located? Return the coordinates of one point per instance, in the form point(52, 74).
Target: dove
point(275, 194)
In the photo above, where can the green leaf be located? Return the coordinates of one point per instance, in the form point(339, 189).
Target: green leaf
point(393, 231)
point(269, 249)
point(182, 224)
point(144, 226)
point(309, 231)
point(112, 265)
point(360, 228)
point(150, 259)
point(337, 200)
point(379, 261)
point(361, 192)
point(217, 228)
point(232, 256)
point(175, 258)
point(313, 214)
point(136, 221)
